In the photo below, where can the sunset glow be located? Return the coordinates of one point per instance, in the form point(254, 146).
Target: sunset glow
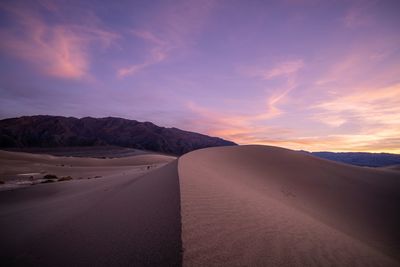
point(312, 75)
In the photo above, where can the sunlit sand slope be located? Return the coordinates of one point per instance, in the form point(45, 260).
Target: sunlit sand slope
point(268, 206)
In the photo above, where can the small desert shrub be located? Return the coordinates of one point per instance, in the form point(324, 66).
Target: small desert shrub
point(47, 181)
point(50, 176)
point(65, 178)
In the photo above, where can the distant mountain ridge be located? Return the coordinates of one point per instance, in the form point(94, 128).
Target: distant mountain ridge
point(59, 131)
point(361, 158)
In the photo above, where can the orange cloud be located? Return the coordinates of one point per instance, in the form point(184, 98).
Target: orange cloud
point(336, 143)
point(376, 110)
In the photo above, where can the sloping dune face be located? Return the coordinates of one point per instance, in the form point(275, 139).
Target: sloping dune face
point(267, 206)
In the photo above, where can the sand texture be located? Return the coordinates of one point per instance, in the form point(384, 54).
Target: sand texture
point(267, 206)
point(127, 219)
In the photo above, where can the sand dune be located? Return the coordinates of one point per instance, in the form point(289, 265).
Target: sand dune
point(22, 169)
point(267, 206)
point(75, 161)
point(226, 206)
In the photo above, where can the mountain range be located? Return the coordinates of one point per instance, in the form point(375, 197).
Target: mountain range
point(58, 131)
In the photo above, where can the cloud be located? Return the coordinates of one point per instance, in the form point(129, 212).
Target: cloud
point(241, 128)
point(341, 70)
point(157, 53)
point(283, 69)
point(375, 110)
point(57, 49)
point(358, 15)
point(251, 128)
point(368, 62)
point(171, 30)
point(287, 69)
point(355, 101)
point(376, 105)
point(344, 108)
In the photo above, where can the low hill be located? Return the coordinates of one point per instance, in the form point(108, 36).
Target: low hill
point(361, 158)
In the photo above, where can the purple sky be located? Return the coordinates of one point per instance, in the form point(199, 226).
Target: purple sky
point(313, 75)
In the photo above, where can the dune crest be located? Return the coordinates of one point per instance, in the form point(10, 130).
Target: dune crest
point(268, 206)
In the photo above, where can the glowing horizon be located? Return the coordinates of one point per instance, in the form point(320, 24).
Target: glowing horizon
point(306, 74)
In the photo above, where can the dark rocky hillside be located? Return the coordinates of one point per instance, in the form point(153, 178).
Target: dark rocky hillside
point(57, 131)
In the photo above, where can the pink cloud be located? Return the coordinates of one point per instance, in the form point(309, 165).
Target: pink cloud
point(371, 105)
point(58, 50)
point(149, 36)
point(357, 63)
point(157, 53)
point(341, 69)
point(359, 15)
point(286, 69)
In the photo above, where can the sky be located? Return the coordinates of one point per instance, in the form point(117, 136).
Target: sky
point(302, 74)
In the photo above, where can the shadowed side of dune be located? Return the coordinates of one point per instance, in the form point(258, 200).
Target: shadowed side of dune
point(267, 206)
point(126, 222)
